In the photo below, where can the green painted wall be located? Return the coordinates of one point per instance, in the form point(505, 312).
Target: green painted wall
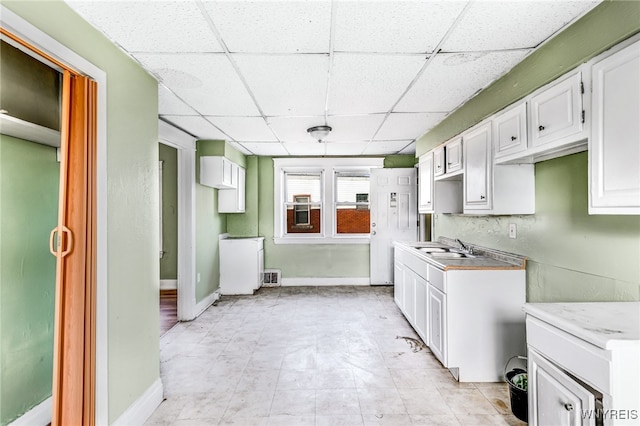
point(29, 178)
point(219, 147)
point(132, 200)
point(399, 161)
point(573, 256)
point(604, 26)
point(209, 225)
point(169, 262)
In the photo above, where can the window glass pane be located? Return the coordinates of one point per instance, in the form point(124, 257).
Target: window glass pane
point(303, 219)
point(351, 189)
point(352, 219)
point(299, 184)
point(352, 204)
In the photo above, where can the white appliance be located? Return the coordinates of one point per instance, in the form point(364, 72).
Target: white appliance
point(394, 217)
point(241, 265)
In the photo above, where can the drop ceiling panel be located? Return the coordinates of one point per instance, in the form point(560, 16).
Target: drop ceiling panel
point(497, 25)
point(248, 129)
point(151, 26)
point(265, 148)
point(207, 82)
point(240, 148)
point(364, 83)
point(196, 125)
point(353, 128)
point(345, 148)
point(408, 125)
point(273, 26)
point(385, 147)
point(286, 84)
point(452, 78)
point(411, 149)
point(305, 148)
point(294, 129)
point(168, 103)
point(393, 26)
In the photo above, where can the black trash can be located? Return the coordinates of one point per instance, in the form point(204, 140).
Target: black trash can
point(517, 380)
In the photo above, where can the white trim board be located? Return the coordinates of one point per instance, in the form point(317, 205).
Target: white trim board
point(322, 282)
point(38, 415)
point(143, 407)
point(206, 302)
point(168, 284)
point(37, 38)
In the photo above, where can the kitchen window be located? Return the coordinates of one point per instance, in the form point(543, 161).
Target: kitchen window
point(322, 200)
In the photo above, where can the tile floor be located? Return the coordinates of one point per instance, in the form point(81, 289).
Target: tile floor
point(314, 356)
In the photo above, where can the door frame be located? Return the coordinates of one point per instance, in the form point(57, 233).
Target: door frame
point(37, 38)
point(185, 144)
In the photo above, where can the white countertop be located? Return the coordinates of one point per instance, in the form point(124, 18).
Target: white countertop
point(603, 324)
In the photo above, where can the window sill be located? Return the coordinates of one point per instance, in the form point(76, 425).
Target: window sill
point(321, 240)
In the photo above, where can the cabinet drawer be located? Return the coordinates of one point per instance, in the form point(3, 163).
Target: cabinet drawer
point(586, 361)
point(436, 278)
point(417, 265)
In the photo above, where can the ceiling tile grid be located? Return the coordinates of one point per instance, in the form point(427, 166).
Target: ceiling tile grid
point(265, 71)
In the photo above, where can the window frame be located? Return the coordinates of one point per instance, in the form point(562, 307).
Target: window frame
point(328, 168)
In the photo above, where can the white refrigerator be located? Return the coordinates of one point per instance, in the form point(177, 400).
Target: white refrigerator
point(241, 265)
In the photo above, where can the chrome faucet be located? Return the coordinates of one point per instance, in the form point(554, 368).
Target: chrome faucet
point(464, 247)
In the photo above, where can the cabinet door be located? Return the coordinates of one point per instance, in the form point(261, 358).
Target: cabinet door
point(422, 318)
point(555, 398)
point(410, 295)
point(439, 161)
point(556, 113)
point(240, 189)
point(232, 200)
point(425, 183)
point(510, 131)
point(477, 168)
point(437, 309)
point(614, 146)
point(453, 155)
point(398, 284)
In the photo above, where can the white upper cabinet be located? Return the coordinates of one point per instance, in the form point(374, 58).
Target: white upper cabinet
point(477, 168)
point(233, 200)
point(510, 131)
point(557, 114)
point(217, 172)
point(453, 154)
point(443, 196)
point(614, 146)
point(439, 161)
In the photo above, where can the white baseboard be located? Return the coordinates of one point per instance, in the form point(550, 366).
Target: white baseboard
point(143, 407)
point(38, 415)
point(168, 284)
point(294, 282)
point(206, 302)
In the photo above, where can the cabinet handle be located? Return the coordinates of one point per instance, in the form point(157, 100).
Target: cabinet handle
point(482, 197)
point(568, 407)
point(513, 138)
point(541, 128)
point(439, 166)
point(448, 164)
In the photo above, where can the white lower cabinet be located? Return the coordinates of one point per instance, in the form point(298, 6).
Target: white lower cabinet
point(437, 307)
point(471, 319)
point(556, 397)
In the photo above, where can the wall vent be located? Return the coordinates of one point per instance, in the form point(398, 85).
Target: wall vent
point(272, 278)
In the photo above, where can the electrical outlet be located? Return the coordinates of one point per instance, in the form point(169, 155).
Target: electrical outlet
point(198, 277)
point(513, 230)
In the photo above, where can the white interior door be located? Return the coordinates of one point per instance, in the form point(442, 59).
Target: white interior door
point(394, 217)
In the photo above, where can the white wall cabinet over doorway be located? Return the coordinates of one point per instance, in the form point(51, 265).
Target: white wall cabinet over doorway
point(614, 147)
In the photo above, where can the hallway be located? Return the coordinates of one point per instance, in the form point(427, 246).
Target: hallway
point(313, 356)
